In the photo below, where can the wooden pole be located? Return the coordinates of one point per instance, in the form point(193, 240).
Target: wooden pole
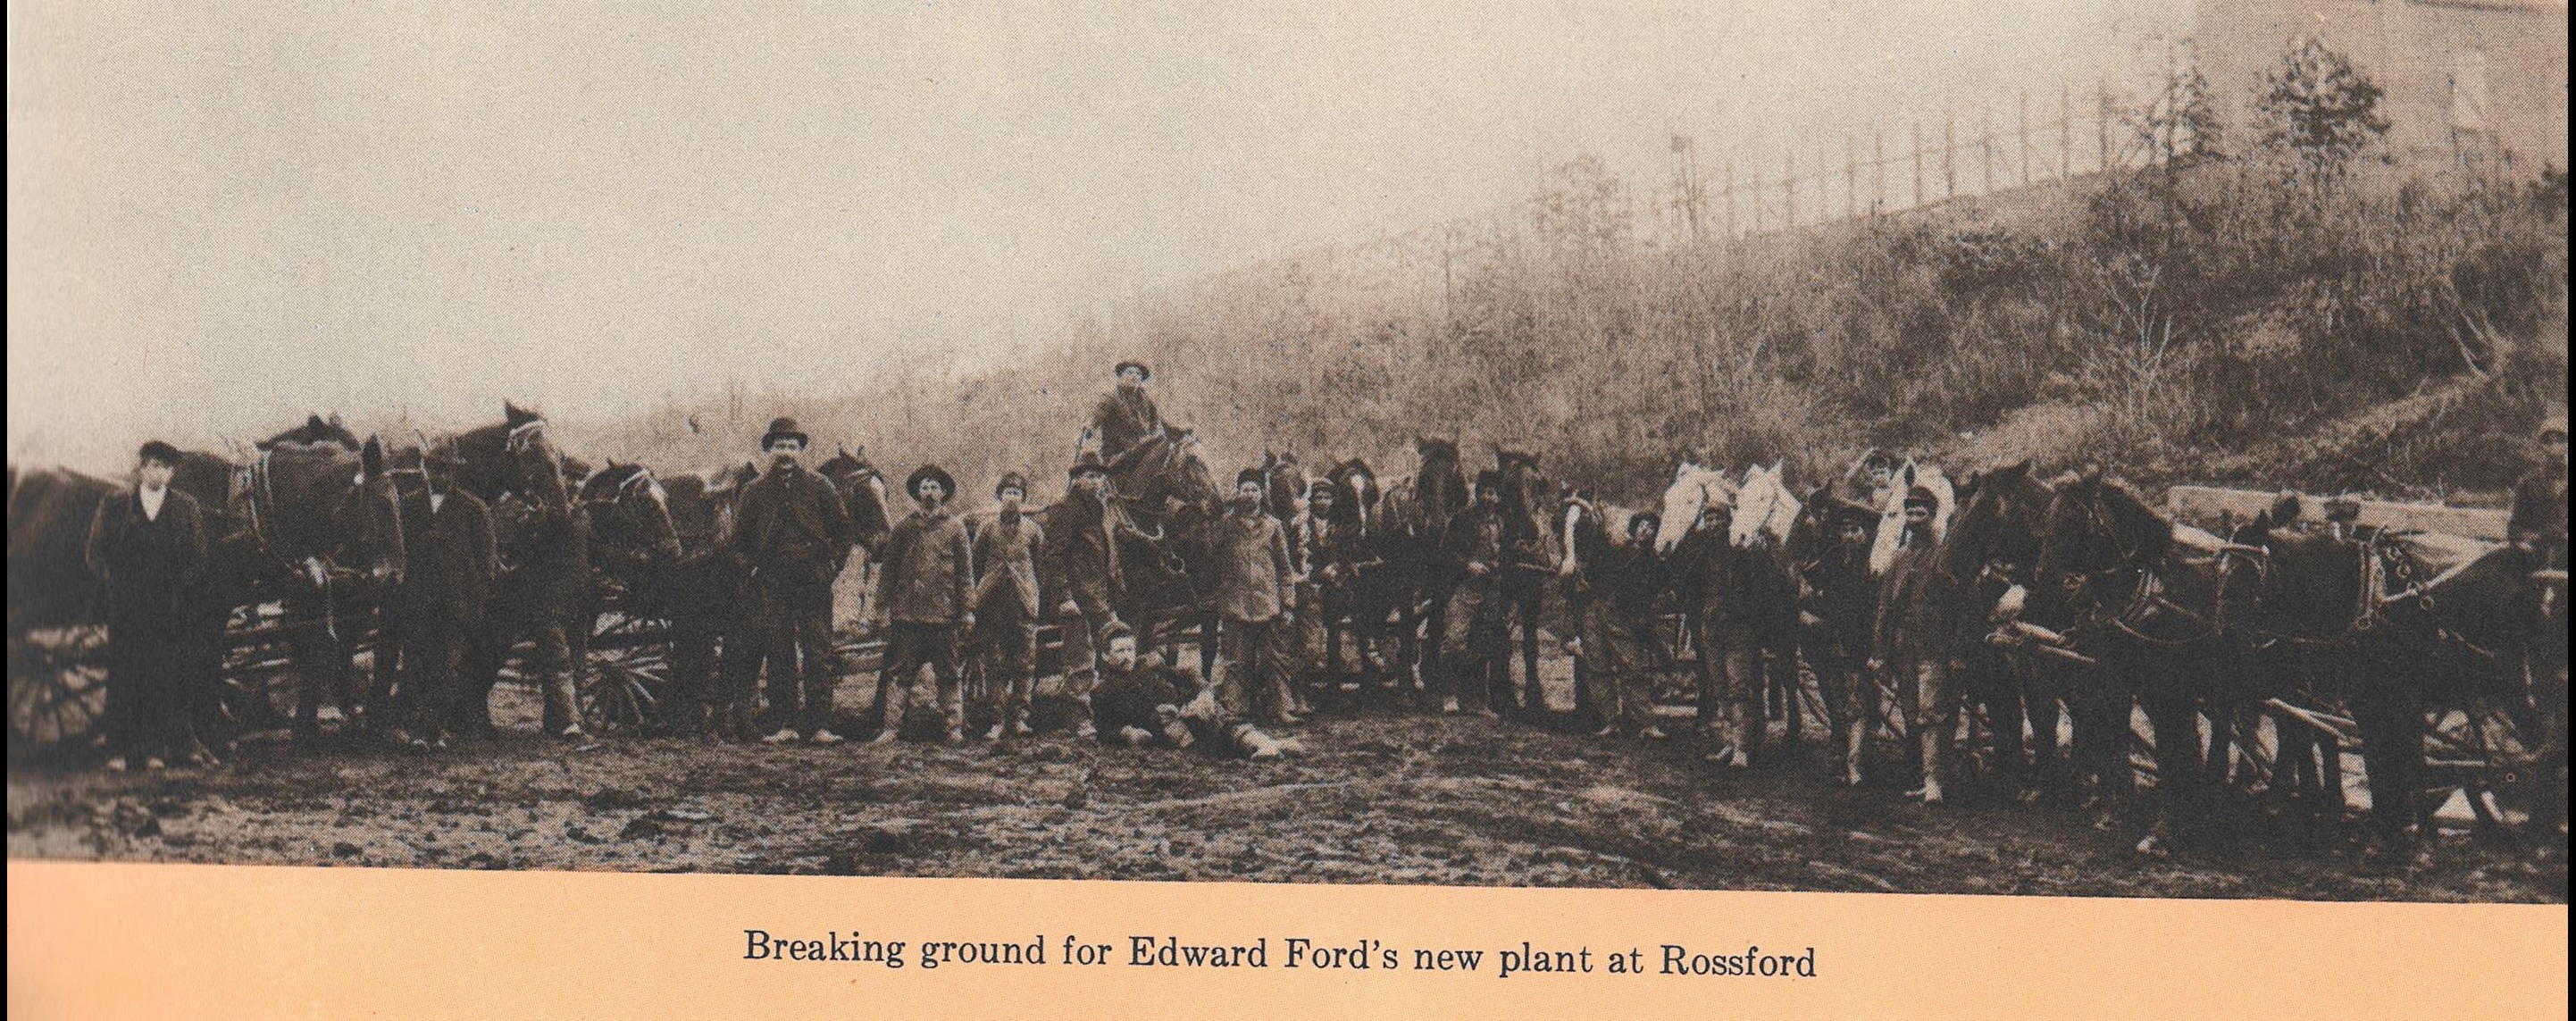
point(1730, 196)
point(1789, 189)
point(1949, 155)
point(1918, 163)
point(2025, 138)
point(1851, 179)
point(1877, 171)
point(2102, 127)
point(1986, 145)
point(2065, 130)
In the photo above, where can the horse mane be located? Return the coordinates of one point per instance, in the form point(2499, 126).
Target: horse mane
point(2142, 526)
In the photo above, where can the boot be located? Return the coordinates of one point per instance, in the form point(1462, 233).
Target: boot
point(1930, 792)
point(1855, 745)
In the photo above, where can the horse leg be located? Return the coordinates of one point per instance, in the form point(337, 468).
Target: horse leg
point(1533, 694)
point(2181, 780)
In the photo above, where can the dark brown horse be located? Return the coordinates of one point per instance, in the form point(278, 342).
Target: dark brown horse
point(1416, 515)
point(1165, 490)
point(546, 591)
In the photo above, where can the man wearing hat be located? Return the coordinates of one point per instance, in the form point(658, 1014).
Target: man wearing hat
point(925, 599)
point(1256, 598)
point(1005, 604)
point(1912, 635)
point(2538, 520)
point(1126, 416)
point(447, 584)
point(1837, 604)
point(1476, 636)
point(1082, 548)
point(792, 535)
point(149, 546)
point(1615, 590)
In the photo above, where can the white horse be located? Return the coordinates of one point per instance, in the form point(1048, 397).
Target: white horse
point(1764, 510)
point(1891, 520)
point(1695, 488)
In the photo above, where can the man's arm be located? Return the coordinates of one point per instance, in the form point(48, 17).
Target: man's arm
point(962, 560)
point(1280, 568)
point(839, 534)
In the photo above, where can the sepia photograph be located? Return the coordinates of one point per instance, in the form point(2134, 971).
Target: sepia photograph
point(2070, 448)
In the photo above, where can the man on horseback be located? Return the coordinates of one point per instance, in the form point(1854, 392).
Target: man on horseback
point(1256, 597)
point(924, 602)
point(1126, 416)
point(792, 536)
point(1005, 604)
point(149, 546)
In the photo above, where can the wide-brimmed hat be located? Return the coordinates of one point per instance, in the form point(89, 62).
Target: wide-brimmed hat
point(157, 450)
point(782, 428)
point(1121, 368)
point(1251, 475)
point(1012, 480)
point(1117, 629)
point(1088, 461)
point(1488, 480)
point(1920, 496)
point(928, 473)
point(1648, 518)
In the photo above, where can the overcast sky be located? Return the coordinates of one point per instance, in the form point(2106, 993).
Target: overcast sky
point(222, 215)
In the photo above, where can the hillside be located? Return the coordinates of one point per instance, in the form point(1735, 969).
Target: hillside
point(2396, 333)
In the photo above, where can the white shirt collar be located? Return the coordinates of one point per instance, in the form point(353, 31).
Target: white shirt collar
point(152, 498)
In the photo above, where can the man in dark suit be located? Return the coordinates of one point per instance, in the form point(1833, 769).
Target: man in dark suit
point(793, 537)
point(149, 545)
point(446, 589)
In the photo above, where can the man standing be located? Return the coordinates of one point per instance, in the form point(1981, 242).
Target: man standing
point(793, 535)
point(923, 599)
point(1475, 636)
point(452, 561)
point(1256, 597)
point(1620, 586)
point(1005, 604)
point(1126, 417)
point(1912, 636)
point(1082, 548)
point(149, 546)
point(1837, 603)
point(2538, 521)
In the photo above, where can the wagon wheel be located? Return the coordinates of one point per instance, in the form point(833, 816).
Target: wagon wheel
point(57, 686)
point(629, 670)
point(2481, 751)
point(258, 670)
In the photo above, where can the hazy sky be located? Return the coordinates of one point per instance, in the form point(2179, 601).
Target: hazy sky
point(222, 215)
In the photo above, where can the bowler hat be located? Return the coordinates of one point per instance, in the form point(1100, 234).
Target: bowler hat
point(1251, 475)
point(1122, 367)
point(1920, 496)
point(156, 450)
point(783, 428)
point(1012, 480)
point(929, 473)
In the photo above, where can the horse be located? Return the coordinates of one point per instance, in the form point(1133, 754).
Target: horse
point(1417, 511)
point(863, 494)
point(1165, 491)
point(316, 527)
point(1367, 593)
point(1994, 540)
point(546, 587)
point(1891, 505)
point(2134, 600)
point(705, 600)
point(1729, 596)
point(635, 551)
point(1531, 554)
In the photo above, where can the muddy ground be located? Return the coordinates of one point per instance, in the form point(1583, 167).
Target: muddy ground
point(1381, 796)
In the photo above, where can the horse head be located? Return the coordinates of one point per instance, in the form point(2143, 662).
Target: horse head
point(630, 512)
point(2096, 527)
point(1696, 490)
point(1765, 511)
point(863, 492)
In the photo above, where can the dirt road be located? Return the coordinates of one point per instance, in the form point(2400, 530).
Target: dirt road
point(1380, 797)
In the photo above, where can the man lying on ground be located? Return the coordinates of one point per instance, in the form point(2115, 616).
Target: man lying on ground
point(1149, 704)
